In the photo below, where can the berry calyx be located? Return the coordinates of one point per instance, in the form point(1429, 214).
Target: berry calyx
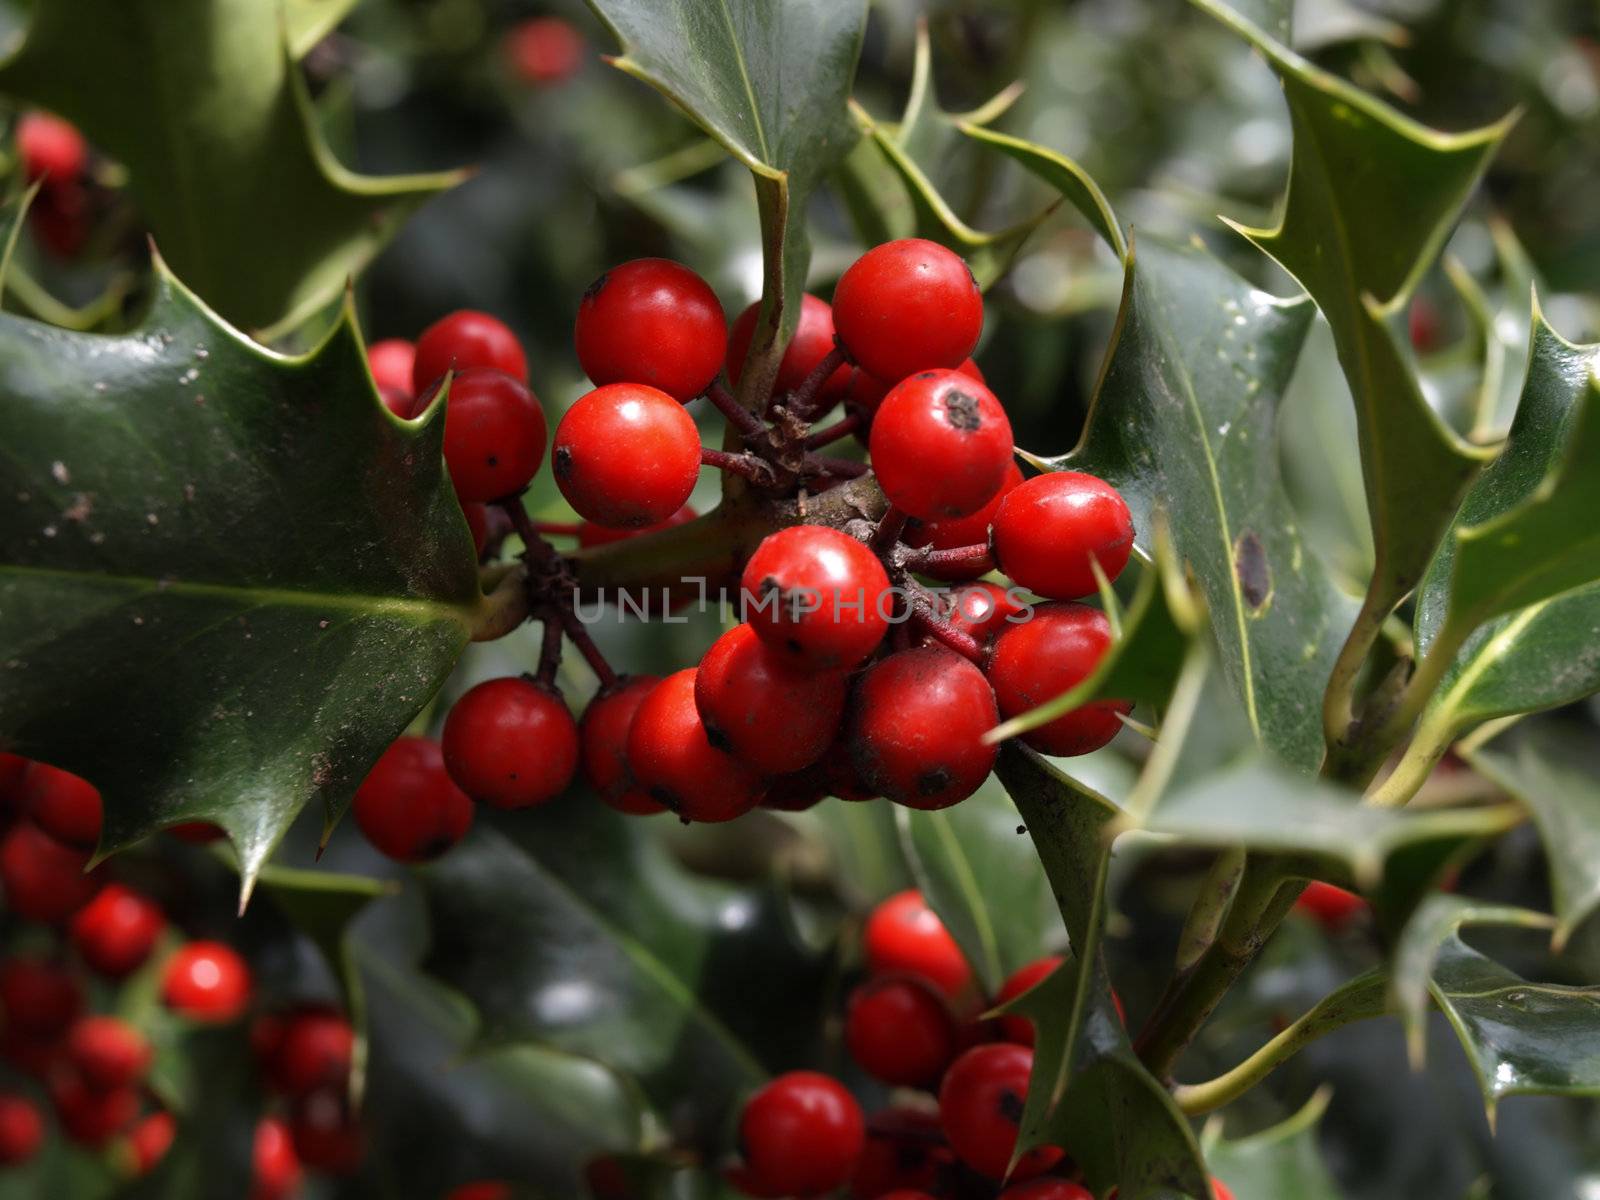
point(108, 1052)
point(544, 50)
point(802, 1134)
point(312, 1050)
point(511, 743)
point(899, 1031)
point(817, 596)
point(908, 306)
point(903, 936)
point(1049, 529)
point(206, 981)
point(463, 340)
point(64, 805)
point(957, 532)
point(494, 434)
point(50, 148)
point(392, 363)
point(21, 1129)
point(116, 931)
point(275, 1172)
point(1037, 660)
point(652, 321)
point(603, 745)
point(761, 708)
point(408, 806)
point(44, 879)
point(916, 727)
point(980, 1109)
point(1330, 906)
point(672, 759)
point(812, 342)
point(941, 445)
point(626, 456)
point(1015, 1027)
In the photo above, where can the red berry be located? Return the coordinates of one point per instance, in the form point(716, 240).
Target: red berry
point(89, 1116)
point(798, 790)
point(12, 768)
point(812, 342)
point(38, 998)
point(1047, 1189)
point(327, 1136)
point(462, 340)
point(762, 709)
point(116, 931)
point(494, 434)
point(905, 1149)
point(904, 936)
point(206, 981)
point(1050, 528)
point(671, 758)
point(1037, 660)
point(652, 321)
point(1015, 1027)
point(482, 1189)
point(817, 596)
point(544, 50)
point(1425, 326)
point(477, 516)
point(313, 1050)
point(957, 532)
point(983, 608)
point(802, 1134)
point(408, 806)
point(1220, 1190)
point(401, 404)
point(21, 1130)
point(908, 306)
point(511, 743)
point(916, 727)
point(392, 363)
point(108, 1053)
point(866, 392)
point(51, 148)
point(899, 1031)
point(64, 805)
point(1331, 907)
point(147, 1143)
point(980, 1107)
point(274, 1167)
point(603, 741)
point(44, 880)
point(626, 455)
point(941, 445)
point(590, 534)
point(196, 833)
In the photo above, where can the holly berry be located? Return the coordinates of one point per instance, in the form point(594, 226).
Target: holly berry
point(108, 1053)
point(1220, 1190)
point(899, 1031)
point(1331, 907)
point(1013, 1026)
point(275, 1172)
point(903, 936)
point(590, 534)
point(116, 931)
point(980, 1108)
point(905, 1149)
point(326, 1135)
point(1049, 529)
point(21, 1129)
point(147, 1143)
point(477, 516)
point(797, 791)
point(392, 363)
point(544, 50)
point(494, 435)
point(983, 609)
point(511, 743)
point(941, 445)
point(50, 148)
point(652, 321)
point(761, 709)
point(408, 806)
point(44, 879)
point(626, 455)
point(64, 805)
point(1040, 659)
point(312, 1050)
point(817, 596)
point(957, 532)
point(38, 998)
point(801, 1134)
point(12, 768)
point(1047, 1189)
point(671, 757)
point(463, 340)
point(907, 306)
point(603, 745)
point(812, 342)
point(916, 727)
point(206, 981)
point(866, 392)
point(90, 1116)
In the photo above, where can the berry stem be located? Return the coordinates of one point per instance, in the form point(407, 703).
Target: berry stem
point(579, 637)
point(843, 468)
point(961, 558)
point(504, 606)
point(741, 418)
point(890, 526)
point(841, 428)
point(746, 466)
point(534, 547)
point(962, 642)
point(557, 528)
point(804, 399)
point(549, 647)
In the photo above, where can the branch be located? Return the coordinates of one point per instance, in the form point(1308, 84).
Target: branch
point(741, 418)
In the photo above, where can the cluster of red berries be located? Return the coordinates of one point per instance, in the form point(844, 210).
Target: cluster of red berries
point(54, 155)
point(915, 1024)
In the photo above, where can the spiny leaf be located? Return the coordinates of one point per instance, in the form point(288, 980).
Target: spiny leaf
point(310, 21)
point(203, 102)
point(228, 579)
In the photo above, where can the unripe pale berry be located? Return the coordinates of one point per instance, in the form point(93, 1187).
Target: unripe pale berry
point(511, 743)
point(626, 456)
point(908, 306)
point(941, 446)
point(1049, 529)
point(1035, 661)
point(655, 322)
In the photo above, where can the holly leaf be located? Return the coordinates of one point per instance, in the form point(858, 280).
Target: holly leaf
point(206, 107)
point(770, 83)
point(1065, 175)
point(1355, 156)
point(309, 21)
point(228, 578)
point(1183, 424)
point(585, 937)
point(1283, 1160)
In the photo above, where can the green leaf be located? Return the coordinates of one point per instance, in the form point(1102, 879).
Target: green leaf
point(202, 101)
point(1277, 1162)
point(588, 938)
point(1354, 158)
point(979, 873)
point(228, 579)
point(310, 21)
point(1183, 423)
point(769, 82)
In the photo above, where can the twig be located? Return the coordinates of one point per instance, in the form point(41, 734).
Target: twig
point(804, 399)
point(962, 642)
point(579, 637)
point(890, 526)
point(740, 417)
point(549, 648)
point(747, 466)
point(841, 428)
point(958, 558)
point(843, 468)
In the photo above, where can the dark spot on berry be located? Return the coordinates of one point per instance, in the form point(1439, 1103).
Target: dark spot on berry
point(561, 462)
point(1022, 829)
point(1250, 565)
point(927, 375)
point(1009, 1106)
point(794, 644)
point(961, 410)
point(717, 738)
point(493, 460)
point(931, 783)
point(665, 797)
point(593, 290)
